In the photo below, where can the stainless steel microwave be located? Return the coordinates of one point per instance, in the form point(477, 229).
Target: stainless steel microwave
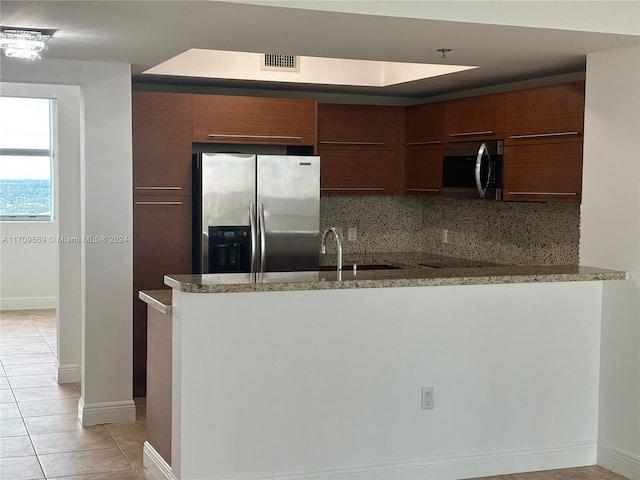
point(472, 170)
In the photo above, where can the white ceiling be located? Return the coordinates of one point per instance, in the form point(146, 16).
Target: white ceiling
point(146, 33)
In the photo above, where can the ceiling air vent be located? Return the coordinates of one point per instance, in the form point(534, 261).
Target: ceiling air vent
point(276, 62)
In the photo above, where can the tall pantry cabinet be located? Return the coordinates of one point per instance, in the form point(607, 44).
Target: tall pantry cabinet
point(161, 204)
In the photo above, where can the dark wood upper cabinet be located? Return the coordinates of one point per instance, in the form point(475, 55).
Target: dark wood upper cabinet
point(352, 171)
point(547, 172)
point(254, 120)
point(371, 125)
point(423, 170)
point(545, 114)
point(161, 129)
point(361, 149)
point(475, 118)
point(425, 124)
point(543, 143)
point(425, 134)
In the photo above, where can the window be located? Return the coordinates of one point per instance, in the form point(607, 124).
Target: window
point(26, 159)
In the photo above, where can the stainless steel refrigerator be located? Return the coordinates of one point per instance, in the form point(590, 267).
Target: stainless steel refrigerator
point(256, 213)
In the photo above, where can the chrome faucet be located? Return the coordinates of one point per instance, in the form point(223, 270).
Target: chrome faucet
point(323, 248)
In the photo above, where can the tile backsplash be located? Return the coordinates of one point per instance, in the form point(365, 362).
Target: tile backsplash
point(384, 223)
point(503, 232)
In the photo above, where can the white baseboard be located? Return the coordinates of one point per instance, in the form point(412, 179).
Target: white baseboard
point(619, 461)
point(108, 412)
point(152, 461)
point(449, 467)
point(68, 373)
point(28, 303)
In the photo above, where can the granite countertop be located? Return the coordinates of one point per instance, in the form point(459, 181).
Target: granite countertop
point(416, 269)
point(158, 299)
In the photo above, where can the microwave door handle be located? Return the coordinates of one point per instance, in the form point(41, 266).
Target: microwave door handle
point(254, 236)
point(263, 235)
point(481, 152)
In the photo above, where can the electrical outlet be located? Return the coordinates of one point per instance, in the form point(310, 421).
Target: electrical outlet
point(352, 233)
point(445, 235)
point(428, 394)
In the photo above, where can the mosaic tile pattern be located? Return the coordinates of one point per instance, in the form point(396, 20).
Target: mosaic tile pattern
point(384, 223)
point(502, 232)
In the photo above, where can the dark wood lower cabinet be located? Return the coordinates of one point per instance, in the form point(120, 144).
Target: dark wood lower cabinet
point(158, 404)
point(550, 172)
point(162, 245)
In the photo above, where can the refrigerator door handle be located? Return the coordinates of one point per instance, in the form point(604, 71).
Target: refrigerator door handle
point(254, 236)
point(263, 235)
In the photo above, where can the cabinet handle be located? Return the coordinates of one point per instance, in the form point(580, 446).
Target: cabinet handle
point(432, 142)
point(157, 188)
point(264, 137)
point(328, 142)
point(422, 189)
point(157, 203)
point(566, 194)
point(363, 189)
point(464, 134)
point(541, 135)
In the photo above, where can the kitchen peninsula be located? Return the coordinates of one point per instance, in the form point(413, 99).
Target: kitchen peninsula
point(301, 375)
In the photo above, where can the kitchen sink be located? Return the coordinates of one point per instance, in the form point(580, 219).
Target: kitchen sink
point(349, 266)
point(453, 264)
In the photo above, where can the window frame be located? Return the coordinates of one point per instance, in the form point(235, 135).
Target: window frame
point(35, 152)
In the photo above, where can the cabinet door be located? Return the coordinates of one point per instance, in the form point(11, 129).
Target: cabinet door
point(161, 131)
point(360, 125)
point(423, 170)
point(254, 120)
point(546, 114)
point(161, 245)
point(425, 124)
point(350, 170)
point(159, 388)
point(550, 172)
point(361, 149)
point(475, 118)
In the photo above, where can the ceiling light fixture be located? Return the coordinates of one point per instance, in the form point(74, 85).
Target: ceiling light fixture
point(20, 42)
point(443, 51)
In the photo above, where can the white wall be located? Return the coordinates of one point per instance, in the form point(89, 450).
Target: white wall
point(95, 285)
point(107, 269)
point(30, 272)
point(326, 384)
point(610, 236)
point(20, 289)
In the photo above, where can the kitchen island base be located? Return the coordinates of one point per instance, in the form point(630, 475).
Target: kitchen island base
point(327, 383)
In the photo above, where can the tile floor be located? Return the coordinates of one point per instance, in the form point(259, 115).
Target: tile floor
point(40, 436)
point(583, 473)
